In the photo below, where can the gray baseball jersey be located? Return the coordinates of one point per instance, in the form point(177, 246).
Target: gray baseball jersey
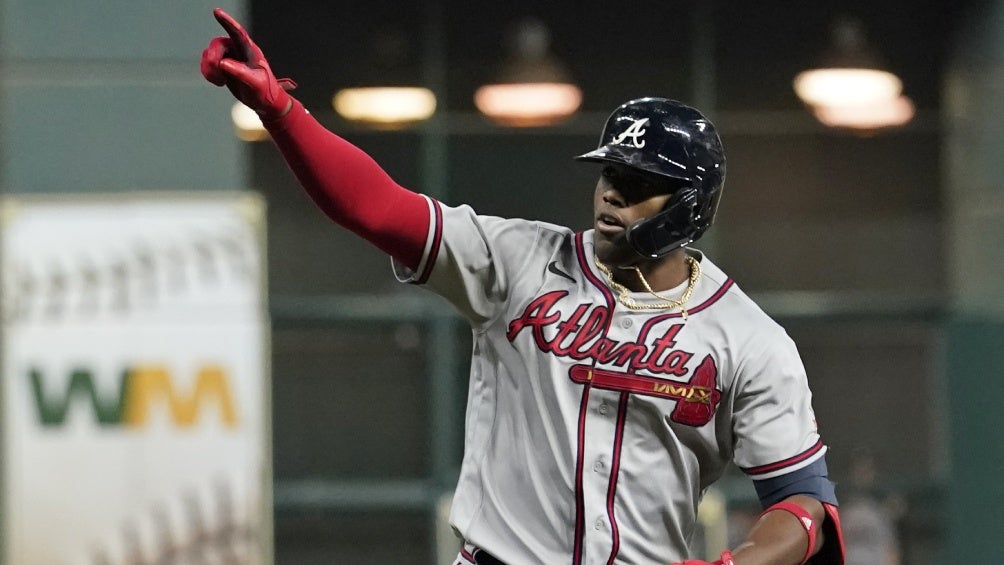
point(592, 430)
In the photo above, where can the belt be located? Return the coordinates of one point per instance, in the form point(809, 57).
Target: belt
point(480, 556)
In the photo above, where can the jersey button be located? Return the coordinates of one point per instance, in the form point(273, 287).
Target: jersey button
point(598, 525)
point(626, 323)
point(598, 466)
point(604, 408)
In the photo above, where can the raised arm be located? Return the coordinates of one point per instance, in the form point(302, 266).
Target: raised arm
point(344, 182)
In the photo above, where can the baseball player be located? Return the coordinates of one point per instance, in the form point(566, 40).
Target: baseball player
point(615, 372)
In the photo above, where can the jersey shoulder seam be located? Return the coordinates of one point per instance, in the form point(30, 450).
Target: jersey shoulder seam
point(517, 274)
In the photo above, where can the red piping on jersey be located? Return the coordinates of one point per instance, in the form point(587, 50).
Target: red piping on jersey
point(615, 467)
point(786, 462)
point(580, 252)
point(690, 311)
point(608, 296)
point(579, 495)
point(437, 239)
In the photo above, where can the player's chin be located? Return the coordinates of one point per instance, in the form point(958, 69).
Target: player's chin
point(612, 250)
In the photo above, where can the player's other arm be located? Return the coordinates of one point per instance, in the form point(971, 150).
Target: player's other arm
point(784, 532)
point(345, 183)
point(787, 533)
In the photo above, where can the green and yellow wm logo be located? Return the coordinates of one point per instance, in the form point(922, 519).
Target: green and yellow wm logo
point(141, 388)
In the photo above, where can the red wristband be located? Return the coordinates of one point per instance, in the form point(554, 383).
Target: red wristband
point(811, 526)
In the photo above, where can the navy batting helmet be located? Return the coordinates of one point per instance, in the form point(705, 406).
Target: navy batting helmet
point(673, 140)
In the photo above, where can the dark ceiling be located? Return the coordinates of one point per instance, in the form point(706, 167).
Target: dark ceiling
point(614, 50)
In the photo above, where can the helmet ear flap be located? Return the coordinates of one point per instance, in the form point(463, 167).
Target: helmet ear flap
point(670, 229)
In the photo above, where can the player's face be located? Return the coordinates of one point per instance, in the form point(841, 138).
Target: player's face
point(624, 196)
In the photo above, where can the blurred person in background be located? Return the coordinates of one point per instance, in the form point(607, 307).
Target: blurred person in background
point(869, 519)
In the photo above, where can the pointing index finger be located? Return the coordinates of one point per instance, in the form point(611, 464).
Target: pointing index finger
point(235, 30)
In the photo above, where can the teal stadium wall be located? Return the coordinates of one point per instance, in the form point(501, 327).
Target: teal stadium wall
point(107, 96)
point(974, 183)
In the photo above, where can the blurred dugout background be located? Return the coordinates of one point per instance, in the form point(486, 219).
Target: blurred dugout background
point(880, 254)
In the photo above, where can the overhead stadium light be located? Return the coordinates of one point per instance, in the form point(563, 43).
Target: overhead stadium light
point(873, 116)
point(388, 94)
point(838, 86)
point(851, 89)
point(387, 106)
point(533, 88)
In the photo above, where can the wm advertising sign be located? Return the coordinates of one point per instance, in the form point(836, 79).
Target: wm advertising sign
point(133, 394)
point(141, 388)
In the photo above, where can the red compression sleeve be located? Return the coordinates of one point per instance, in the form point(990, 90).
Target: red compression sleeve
point(351, 188)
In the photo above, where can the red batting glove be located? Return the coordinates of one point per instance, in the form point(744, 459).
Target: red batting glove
point(725, 560)
point(239, 64)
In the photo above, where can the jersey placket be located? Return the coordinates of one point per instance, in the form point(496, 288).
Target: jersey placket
point(601, 430)
point(606, 416)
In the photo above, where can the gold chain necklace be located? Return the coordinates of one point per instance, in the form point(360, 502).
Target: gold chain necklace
point(624, 295)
